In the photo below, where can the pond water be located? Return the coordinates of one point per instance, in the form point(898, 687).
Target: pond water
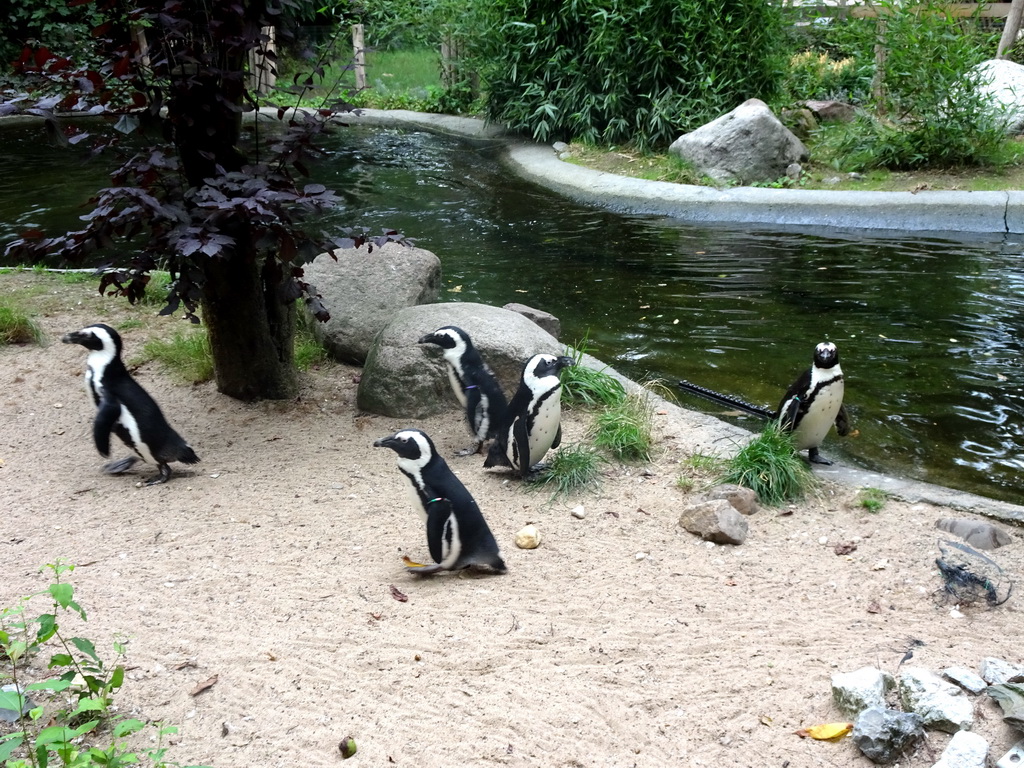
point(930, 329)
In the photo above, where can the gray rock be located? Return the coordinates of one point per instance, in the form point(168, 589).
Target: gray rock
point(1014, 758)
point(941, 705)
point(865, 688)
point(746, 145)
point(883, 734)
point(1002, 83)
point(743, 500)
point(965, 750)
point(715, 521)
point(966, 679)
point(997, 671)
point(832, 111)
point(364, 290)
point(978, 534)
point(545, 320)
point(404, 379)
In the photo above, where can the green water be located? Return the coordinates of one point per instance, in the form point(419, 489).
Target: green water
point(930, 329)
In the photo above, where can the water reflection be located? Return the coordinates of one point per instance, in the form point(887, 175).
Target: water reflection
point(929, 328)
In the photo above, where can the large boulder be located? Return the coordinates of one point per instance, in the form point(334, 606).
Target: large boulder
point(405, 379)
point(747, 145)
point(1002, 83)
point(363, 290)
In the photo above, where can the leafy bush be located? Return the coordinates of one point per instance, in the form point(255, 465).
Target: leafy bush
point(620, 72)
point(816, 75)
point(769, 465)
point(79, 698)
point(929, 111)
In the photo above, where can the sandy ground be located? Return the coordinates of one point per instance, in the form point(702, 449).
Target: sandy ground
point(621, 641)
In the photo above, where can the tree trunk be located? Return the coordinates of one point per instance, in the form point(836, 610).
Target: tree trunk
point(251, 327)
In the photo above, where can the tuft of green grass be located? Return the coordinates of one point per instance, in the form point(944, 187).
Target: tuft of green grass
point(624, 429)
point(872, 499)
point(187, 356)
point(699, 469)
point(770, 466)
point(309, 353)
point(586, 387)
point(16, 327)
point(573, 468)
point(157, 288)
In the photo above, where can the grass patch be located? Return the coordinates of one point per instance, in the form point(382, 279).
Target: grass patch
point(16, 327)
point(586, 387)
point(624, 429)
point(872, 499)
point(769, 465)
point(187, 356)
point(573, 468)
point(309, 353)
point(157, 288)
point(699, 469)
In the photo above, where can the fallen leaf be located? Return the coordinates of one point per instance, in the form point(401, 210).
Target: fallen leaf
point(826, 731)
point(765, 720)
point(874, 607)
point(398, 594)
point(204, 686)
point(845, 548)
point(410, 563)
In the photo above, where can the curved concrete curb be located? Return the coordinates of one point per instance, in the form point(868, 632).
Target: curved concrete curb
point(991, 213)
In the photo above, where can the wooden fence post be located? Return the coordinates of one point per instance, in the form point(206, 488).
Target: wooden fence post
point(359, 56)
point(262, 70)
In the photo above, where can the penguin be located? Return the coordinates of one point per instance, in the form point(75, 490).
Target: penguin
point(810, 406)
point(457, 534)
point(532, 423)
point(125, 408)
point(473, 383)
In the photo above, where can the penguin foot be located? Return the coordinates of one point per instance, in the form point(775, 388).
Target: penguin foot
point(121, 465)
point(488, 568)
point(163, 477)
point(816, 458)
point(421, 569)
point(473, 449)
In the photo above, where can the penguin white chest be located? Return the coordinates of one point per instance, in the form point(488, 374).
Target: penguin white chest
point(821, 415)
point(456, 384)
point(545, 426)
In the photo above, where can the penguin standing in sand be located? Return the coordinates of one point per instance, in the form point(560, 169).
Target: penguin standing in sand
point(457, 534)
point(808, 409)
point(473, 383)
point(533, 421)
point(125, 408)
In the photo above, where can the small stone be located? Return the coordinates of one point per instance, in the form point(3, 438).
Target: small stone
point(966, 679)
point(823, 540)
point(347, 747)
point(965, 750)
point(997, 671)
point(715, 521)
point(883, 734)
point(854, 692)
point(641, 555)
point(881, 565)
point(941, 705)
point(528, 537)
point(579, 512)
point(743, 500)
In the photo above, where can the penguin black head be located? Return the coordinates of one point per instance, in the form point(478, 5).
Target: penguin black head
point(540, 366)
point(411, 445)
point(98, 337)
point(826, 355)
point(448, 337)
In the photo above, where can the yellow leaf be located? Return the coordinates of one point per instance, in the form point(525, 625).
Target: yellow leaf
point(826, 731)
point(409, 562)
point(456, 289)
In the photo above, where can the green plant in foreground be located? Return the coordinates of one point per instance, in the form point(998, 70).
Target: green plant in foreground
point(187, 356)
point(624, 429)
point(80, 697)
point(582, 386)
point(699, 467)
point(572, 469)
point(17, 328)
point(769, 465)
point(872, 499)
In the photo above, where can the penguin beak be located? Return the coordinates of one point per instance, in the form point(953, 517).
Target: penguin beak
point(564, 362)
point(75, 337)
point(429, 338)
point(385, 442)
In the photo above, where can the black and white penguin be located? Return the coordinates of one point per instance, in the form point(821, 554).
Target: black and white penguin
point(473, 383)
point(808, 409)
point(125, 408)
point(533, 421)
point(457, 534)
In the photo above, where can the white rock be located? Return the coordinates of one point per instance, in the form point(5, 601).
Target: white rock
point(528, 537)
point(579, 512)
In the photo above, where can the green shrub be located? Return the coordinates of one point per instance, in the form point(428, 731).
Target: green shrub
point(624, 429)
point(187, 355)
point(769, 465)
point(50, 733)
point(617, 73)
point(17, 328)
point(572, 469)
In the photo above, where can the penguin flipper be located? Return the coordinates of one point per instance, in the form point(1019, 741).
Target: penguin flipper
point(438, 513)
point(521, 449)
point(120, 465)
point(474, 448)
point(558, 437)
point(788, 413)
point(842, 422)
point(106, 418)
